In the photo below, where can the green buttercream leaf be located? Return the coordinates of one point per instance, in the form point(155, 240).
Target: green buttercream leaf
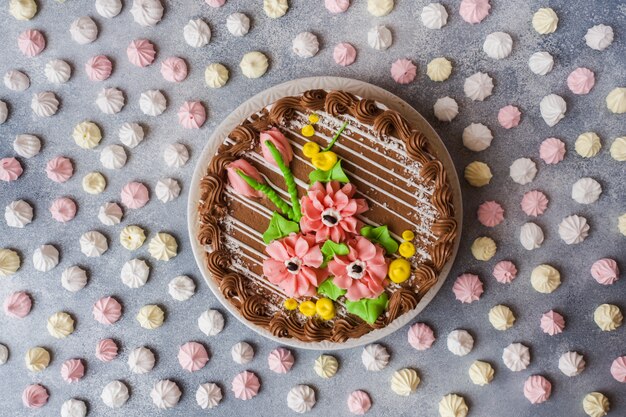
point(368, 308)
point(330, 290)
point(381, 236)
point(279, 227)
point(330, 249)
point(334, 174)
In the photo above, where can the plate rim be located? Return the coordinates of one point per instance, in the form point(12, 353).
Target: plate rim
point(294, 87)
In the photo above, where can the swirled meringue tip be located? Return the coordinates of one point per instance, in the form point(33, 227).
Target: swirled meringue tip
point(134, 195)
point(192, 356)
point(404, 381)
point(483, 248)
point(605, 271)
point(208, 395)
point(545, 278)
point(516, 357)
point(326, 366)
point(280, 360)
point(238, 24)
point(545, 21)
point(242, 353)
point(63, 209)
point(375, 357)
point(305, 45)
point(618, 369)
point(165, 394)
point(501, 317)
point(478, 86)
point(490, 214)
point(106, 350)
point(504, 272)
point(434, 16)
point(84, 30)
point(174, 69)
point(147, 12)
point(72, 370)
point(344, 54)
point(141, 52)
point(99, 68)
point(537, 389)
point(608, 317)
point(552, 150)
point(581, 81)
point(192, 115)
point(114, 394)
point(460, 342)
point(621, 224)
point(359, 402)
point(35, 396)
point(107, 310)
point(571, 363)
point(467, 288)
point(18, 214)
point(616, 100)
point(534, 203)
point(380, 8)
point(17, 305)
point(453, 405)
point(509, 116)
point(10, 169)
point(618, 149)
point(481, 373)
point(599, 37)
point(474, 11)
point(23, 9)
point(523, 170)
point(73, 408)
point(552, 323)
point(596, 404)
point(498, 45)
point(275, 8)
point(446, 109)
point(336, 6)
point(552, 108)
point(403, 71)
point(245, 385)
point(421, 336)
point(215, 3)
point(108, 8)
point(26, 145)
point(31, 42)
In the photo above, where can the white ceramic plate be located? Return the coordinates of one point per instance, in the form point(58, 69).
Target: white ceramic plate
point(296, 87)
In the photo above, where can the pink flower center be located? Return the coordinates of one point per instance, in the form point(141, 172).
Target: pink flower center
point(331, 217)
point(293, 265)
point(356, 269)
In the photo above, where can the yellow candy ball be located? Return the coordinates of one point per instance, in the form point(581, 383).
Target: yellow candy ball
point(310, 149)
point(408, 235)
point(290, 304)
point(399, 270)
point(324, 160)
point(307, 308)
point(406, 249)
point(313, 118)
point(325, 308)
point(307, 131)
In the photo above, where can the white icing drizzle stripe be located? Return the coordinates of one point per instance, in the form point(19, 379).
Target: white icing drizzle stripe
point(248, 231)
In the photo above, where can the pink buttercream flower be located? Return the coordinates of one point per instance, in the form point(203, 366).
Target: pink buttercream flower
point(280, 141)
point(331, 212)
point(239, 184)
point(362, 272)
point(191, 115)
point(295, 265)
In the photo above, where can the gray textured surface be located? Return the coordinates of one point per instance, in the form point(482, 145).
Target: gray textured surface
point(440, 371)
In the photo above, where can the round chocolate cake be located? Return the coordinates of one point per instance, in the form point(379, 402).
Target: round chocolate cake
point(325, 216)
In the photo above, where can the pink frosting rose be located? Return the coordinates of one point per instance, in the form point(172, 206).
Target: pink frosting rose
point(239, 184)
point(362, 272)
point(280, 141)
point(330, 212)
point(294, 265)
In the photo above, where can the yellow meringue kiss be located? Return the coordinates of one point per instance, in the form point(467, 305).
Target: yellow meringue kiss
point(132, 237)
point(150, 317)
point(501, 317)
point(545, 279)
point(87, 135)
point(481, 373)
point(588, 144)
point(616, 100)
point(439, 69)
point(596, 404)
point(608, 317)
point(484, 248)
point(23, 9)
point(163, 247)
point(60, 325)
point(37, 359)
point(9, 262)
point(399, 270)
point(94, 183)
point(478, 174)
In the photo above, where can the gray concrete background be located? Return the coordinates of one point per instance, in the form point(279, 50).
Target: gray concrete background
point(441, 372)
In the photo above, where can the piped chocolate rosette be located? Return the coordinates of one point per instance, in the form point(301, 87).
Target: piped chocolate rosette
point(325, 216)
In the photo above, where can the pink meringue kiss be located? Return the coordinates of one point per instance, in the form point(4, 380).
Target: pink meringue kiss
point(537, 389)
point(10, 169)
point(467, 288)
point(509, 117)
point(59, 169)
point(490, 214)
point(141, 52)
point(403, 71)
point(552, 323)
point(245, 385)
point(552, 151)
point(107, 310)
point(534, 203)
point(280, 360)
point(72, 370)
point(191, 115)
point(421, 336)
point(618, 369)
point(134, 195)
point(31, 42)
point(174, 69)
point(359, 402)
point(504, 272)
point(17, 305)
point(106, 350)
point(63, 209)
point(192, 356)
point(98, 68)
point(474, 11)
point(337, 6)
point(344, 54)
point(605, 271)
point(35, 396)
point(581, 81)
point(215, 3)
